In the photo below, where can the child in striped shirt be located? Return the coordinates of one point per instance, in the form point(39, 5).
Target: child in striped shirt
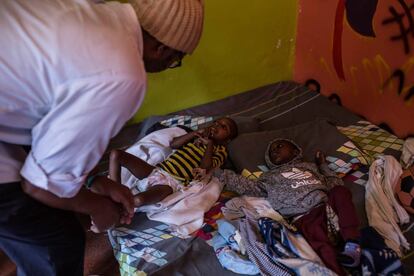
point(195, 152)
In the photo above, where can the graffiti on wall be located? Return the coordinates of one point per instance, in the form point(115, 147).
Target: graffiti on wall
point(359, 15)
point(399, 75)
point(361, 55)
point(378, 73)
point(405, 31)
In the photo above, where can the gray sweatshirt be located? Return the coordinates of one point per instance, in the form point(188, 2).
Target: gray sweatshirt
point(292, 189)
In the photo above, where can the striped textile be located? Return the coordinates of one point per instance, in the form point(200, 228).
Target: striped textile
point(257, 251)
point(287, 97)
point(277, 106)
point(181, 163)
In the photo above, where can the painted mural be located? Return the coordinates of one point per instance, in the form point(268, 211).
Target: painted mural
point(359, 53)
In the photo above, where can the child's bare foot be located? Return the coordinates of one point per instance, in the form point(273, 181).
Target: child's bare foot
point(138, 201)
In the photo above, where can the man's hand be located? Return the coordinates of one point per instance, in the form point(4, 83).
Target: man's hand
point(118, 193)
point(105, 215)
point(104, 212)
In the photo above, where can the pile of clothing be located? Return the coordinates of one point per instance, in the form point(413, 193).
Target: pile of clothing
point(253, 238)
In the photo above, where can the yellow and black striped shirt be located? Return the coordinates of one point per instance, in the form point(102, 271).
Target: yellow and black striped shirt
point(181, 162)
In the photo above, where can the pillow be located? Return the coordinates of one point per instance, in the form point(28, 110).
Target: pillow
point(247, 150)
point(373, 140)
point(244, 124)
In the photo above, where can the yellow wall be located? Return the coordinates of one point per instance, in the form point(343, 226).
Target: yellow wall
point(245, 44)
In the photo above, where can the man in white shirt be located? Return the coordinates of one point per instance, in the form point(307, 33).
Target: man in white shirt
point(71, 74)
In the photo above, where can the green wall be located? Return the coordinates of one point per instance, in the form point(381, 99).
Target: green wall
point(245, 44)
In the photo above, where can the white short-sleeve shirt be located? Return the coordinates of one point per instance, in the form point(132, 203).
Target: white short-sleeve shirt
point(71, 75)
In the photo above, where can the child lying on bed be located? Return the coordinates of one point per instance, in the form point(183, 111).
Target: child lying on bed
point(204, 148)
point(300, 190)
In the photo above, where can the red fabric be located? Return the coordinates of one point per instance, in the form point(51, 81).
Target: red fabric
point(315, 230)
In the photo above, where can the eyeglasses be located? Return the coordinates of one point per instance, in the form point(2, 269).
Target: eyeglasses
point(177, 61)
point(175, 64)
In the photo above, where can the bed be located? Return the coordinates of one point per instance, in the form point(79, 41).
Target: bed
point(282, 109)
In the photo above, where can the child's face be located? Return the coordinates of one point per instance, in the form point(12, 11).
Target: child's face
point(220, 130)
point(281, 152)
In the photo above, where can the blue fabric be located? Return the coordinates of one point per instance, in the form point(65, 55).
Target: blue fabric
point(286, 248)
point(226, 249)
point(257, 251)
point(227, 231)
point(276, 243)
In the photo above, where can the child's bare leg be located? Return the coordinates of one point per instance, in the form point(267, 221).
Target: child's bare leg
point(153, 195)
point(138, 167)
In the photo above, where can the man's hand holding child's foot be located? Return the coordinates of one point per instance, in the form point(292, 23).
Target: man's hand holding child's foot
point(105, 214)
point(119, 194)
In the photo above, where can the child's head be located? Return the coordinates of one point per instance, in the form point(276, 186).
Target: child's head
point(282, 151)
point(224, 129)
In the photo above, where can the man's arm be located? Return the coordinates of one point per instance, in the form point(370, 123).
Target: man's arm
point(103, 211)
point(66, 145)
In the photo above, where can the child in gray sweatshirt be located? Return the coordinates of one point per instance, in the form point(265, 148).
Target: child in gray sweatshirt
point(300, 190)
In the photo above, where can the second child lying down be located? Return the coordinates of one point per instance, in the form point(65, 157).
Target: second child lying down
point(300, 190)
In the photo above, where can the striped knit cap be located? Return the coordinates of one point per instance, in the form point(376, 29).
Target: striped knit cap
point(177, 24)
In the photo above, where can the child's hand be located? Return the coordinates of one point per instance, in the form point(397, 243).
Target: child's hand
point(201, 174)
point(320, 158)
point(204, 133)
point(202, 141)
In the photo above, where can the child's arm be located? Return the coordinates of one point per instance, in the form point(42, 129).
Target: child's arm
point(219, 156)
point(331, 178)
point(135, 165)
point(180, 141)
point(239, 184)
point(213, 157)
point(207, 160)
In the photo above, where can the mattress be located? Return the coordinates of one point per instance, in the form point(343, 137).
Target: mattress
point(148, 247)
